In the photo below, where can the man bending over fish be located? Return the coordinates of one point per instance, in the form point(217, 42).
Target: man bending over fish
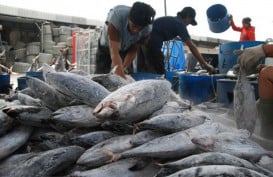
point(124, 30)
point(250, 59)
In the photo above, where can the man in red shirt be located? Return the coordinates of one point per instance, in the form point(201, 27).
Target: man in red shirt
point(247, 31)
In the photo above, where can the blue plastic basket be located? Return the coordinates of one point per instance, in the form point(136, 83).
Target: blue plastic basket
point(141, 76)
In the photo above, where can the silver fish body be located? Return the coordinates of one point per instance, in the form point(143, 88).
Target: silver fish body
point(48, 94)
point(217, 170)
point(245, 111)
point(13, 140)
point(93, 138)
point(172, 122)
point(111, 81)
point(11, 162)
point(99, 154)
point(207, 158)
point(231, 143)
point(174, 145)
point(24, 99)
point(47, 163)
point(134, 102)
point(29, 115)
point(74, 116)
point(78, 87)
point(122, 168)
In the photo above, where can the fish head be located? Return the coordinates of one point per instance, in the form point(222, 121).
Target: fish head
point(106, 110)
point(204, 142)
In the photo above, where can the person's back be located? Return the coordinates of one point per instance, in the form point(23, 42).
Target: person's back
point(169, 27)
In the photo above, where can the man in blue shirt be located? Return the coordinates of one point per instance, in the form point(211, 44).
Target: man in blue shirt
point(151, 59)
point(124, 31)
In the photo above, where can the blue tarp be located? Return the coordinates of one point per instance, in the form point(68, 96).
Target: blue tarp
point(175, 50)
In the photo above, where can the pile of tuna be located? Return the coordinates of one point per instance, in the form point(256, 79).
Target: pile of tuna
point(74, 124)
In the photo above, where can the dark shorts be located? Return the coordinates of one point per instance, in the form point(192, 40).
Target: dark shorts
point(150, 61)
point(103, 60)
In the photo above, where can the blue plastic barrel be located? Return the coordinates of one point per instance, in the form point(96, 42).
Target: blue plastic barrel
point(198, 88)
point(172, 77)
point(175, 50)
point(218, 18)
point(4, 83)
point(36, 74)
point(227, 59)
point(21, 81)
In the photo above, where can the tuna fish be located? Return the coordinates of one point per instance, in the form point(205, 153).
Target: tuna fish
point(208, 158)
point(132, 167)
point(29, 115)
point(173, 145)
point(99, 154)
point(28, 92)
point(46, 163)
point(50, 97)
point(13, 140)
point(112, 81)
point(231, 143)
point(24, 99)
point(74, 116)
point(11, 162)
point(78, 87)
point(134, 102)
point(46, 139)
point(245, 112)
point(217, 170)
point(172, 122)
point(92, 138)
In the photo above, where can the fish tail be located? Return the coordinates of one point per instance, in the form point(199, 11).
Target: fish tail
point(136, 128)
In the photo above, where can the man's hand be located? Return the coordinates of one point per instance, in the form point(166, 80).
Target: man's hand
point(249, 58)
point(210, 68)
point(118, 70)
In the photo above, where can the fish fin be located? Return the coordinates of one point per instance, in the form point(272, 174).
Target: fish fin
point(136, 128)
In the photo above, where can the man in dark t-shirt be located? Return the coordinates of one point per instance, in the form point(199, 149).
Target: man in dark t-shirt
point(150, 57)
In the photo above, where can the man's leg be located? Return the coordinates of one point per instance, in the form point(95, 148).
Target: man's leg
point(265, 103)
point(103, 60)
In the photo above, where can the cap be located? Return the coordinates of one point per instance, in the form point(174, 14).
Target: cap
point(246, 20)
point(141, 14)
point(188, 12)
